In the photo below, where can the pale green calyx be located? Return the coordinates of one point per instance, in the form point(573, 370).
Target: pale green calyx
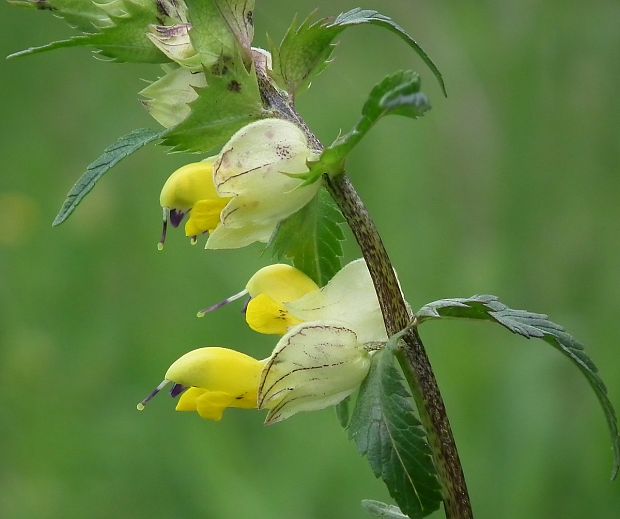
point(174, 42)
point(314, 366)
point(167, 99)
point(349, 298)
point(253, 169)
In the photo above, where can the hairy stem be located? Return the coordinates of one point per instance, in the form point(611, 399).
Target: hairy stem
point(412, 358)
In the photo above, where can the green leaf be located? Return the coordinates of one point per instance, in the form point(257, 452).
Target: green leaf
point(343, 412)
point(305, 50)
point(397, 94)
point(385, 429)
point(239, 16)
point(379, 509)
point(311, 239)
point(530, 325)
point(80, 14)
point(221, 29)
point(359, 16)
point(111, 156)
point(125, 40)
point(228, 103)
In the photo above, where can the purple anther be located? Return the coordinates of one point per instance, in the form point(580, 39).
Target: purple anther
point(176, 217)
point(177, 390)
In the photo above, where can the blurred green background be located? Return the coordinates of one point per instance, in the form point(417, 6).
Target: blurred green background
point(510, 186)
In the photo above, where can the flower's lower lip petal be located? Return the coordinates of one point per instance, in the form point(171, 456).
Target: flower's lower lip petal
point(176, 217)
point(177, 390)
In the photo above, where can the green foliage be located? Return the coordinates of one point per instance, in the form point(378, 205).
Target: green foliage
point(221, 34)
point(229, 102)
point(385, 429)
point(124, 40)
point(81, 14)
point(221, 29)
point(311, 239)
point(239, 16)
point(343, 412)
point(379, 509)
point(111, 156)
point(305, 50)
point(577, 144)
point(397, 94)
point(530, 325)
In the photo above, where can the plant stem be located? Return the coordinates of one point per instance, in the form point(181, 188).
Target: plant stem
point(412, 359)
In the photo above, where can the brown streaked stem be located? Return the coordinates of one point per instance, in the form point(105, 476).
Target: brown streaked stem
point(412, 357)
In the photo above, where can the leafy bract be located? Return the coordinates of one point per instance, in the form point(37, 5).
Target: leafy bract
point(81, 14)
point(239, 16)
point(307, 48)
point(385, 429)
point(304, 52)
point(124, 39)
point(221, 29)
point(379, 509)
point(397, 94)
point(111, 156)
point(228, 102)
point(221, 33)
point(311, 239)
point(530, 325)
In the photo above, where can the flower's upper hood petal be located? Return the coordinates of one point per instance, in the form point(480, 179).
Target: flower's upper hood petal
point(350, 298)
point(189, 184)
point(281, 282)
point(216, 369)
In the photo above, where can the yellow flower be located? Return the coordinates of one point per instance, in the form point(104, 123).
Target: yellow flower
point(210, 380)
point(270, 289)
point(314, 366)
point(328, 336)
point(190, 189)
point(241, 195)
point(283, 296)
